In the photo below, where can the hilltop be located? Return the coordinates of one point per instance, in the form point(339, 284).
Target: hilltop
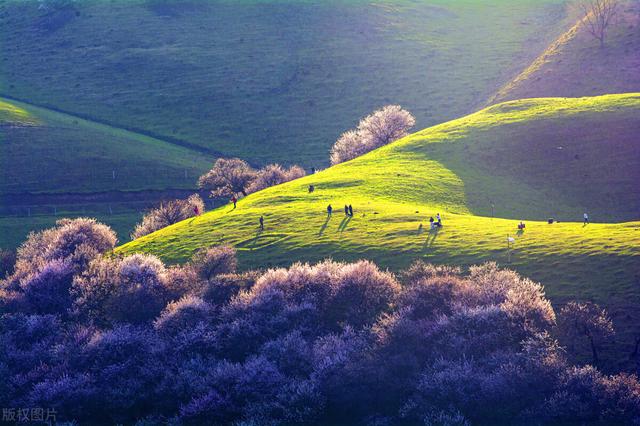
point(575, 65)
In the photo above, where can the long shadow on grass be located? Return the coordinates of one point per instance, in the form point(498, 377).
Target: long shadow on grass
point(255, 239)
point(431, 238)
point(324, 226)
point(344, 223)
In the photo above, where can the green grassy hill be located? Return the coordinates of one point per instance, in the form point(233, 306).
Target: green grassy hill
point(531, 158)
point(68, 160)
point(253, 78)
point(48, 152)
point(575, 65)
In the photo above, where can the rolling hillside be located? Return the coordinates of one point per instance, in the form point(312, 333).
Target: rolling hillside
point(48, 152)
point(532, 158)
point(575, 65)
point(53, 164)
point(253, 78)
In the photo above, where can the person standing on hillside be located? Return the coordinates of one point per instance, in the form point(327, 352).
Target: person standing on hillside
point(234, 200)
point(439, 219)
point(346, 210)
point(329, 210)
point(261, 223)
point(350, 210)
point(586, 219)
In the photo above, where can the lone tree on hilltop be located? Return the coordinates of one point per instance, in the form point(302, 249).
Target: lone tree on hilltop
point(598, 16)
point(228, 177)
point(578, 321)
point(384, 126)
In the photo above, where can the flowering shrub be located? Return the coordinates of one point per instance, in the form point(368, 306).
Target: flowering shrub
point(167, 214)
point(214, 261)
point(274, 174)
point(384, 126)
point(128, 340)
point(47, 291)
point(233, 177)
point(77, 240)
point(131, 290)
point(229, 177)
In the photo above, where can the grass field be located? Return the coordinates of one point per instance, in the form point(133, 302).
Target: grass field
point(455, 169)
point(14, 229)
point(255, 78)
point(150, 91)
point(71, 160)
point(43, 151)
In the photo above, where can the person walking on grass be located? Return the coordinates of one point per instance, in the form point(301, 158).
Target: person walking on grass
point(234, 200)
point(586, 219)
point(346, 210)
point(329, 210)
point(261, 223)
point(439, 219)
point(350, 210)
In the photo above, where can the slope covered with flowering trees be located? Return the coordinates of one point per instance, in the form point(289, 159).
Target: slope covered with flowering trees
point(108, 340)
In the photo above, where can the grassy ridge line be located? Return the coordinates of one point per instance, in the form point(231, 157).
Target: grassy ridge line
point(62, 153)
point(14, 115)
point(576, 65)
point(546, 56)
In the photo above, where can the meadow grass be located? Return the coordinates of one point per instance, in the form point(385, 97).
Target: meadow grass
point(267, 80)
point(43, 151)
point(394, 190)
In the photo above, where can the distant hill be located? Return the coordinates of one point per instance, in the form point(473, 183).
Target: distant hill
point(264, 80)
point(53, 164)
point(45, 151)
point(575, 65)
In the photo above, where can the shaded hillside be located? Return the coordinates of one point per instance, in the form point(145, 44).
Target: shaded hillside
point(255, 78)
point(575, 65)
point(69, 161)
point(48, 152)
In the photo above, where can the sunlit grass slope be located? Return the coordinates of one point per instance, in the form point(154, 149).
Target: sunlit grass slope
point(509, 155)
point(457, 169)
point(42, 151)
